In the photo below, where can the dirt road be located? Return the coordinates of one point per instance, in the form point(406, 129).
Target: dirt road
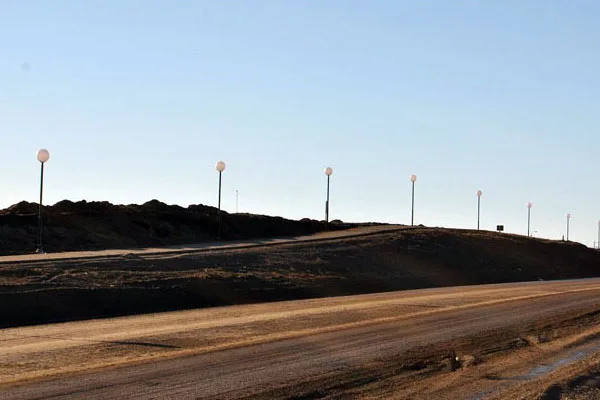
point(178, 250)
point(381, 345)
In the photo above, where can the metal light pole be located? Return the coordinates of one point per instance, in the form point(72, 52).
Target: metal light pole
point(237, 201)
point(42, 156)
point(479, 193)
point(529, 205)
point(568, 220)
point(220, 166)
point(599, 234)
point(413, 179)
point(328, 172)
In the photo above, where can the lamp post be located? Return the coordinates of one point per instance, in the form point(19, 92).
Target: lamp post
point(328, 172)
point(478, 193)
point(599, 234)
point(413, 179)
point(529, 205)
point(568, 220)
point(220, 166)
point(42, 156)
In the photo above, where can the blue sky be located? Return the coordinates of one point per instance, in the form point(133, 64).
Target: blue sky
point(138, 99)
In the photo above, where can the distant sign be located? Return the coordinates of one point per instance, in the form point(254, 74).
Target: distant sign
point(500, 228)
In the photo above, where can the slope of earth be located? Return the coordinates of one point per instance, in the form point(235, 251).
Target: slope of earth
point(85, 225)
point(406, 258)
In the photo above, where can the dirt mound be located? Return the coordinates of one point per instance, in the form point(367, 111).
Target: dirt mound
point(22, 208)
point(408, 258)
point(96, 225)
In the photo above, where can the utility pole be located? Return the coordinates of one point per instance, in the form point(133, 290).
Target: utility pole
point(413, 179)
point(220, 168)
point(328, 173)
point(237, 196)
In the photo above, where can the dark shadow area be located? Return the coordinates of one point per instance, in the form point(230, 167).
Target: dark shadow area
point(82, 226)
point(554, 392)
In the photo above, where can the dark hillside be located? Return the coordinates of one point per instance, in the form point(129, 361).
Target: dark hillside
point(408, 258)
point(85, 225)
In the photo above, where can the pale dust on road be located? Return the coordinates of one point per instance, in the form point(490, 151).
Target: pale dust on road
point(47, 350)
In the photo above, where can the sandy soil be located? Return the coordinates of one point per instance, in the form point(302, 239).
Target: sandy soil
point(203, 330)
point(391, 345)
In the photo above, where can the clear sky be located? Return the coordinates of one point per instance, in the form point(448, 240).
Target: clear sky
point(138, 99)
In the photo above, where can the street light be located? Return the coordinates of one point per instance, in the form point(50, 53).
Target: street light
point(478, 193)
point(599, 234)
point(413, 179)
point(220, 166)
point(328, 172)
point(568, 220)
point(42, 156)
point(529, 205)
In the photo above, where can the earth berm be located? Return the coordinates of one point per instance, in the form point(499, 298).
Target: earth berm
point(406, 258)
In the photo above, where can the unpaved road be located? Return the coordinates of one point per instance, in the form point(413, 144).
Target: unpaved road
point(177, 250)
point(386, 345)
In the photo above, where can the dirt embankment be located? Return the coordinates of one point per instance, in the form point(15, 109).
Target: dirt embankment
point(39, 292)
point(82, 225)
